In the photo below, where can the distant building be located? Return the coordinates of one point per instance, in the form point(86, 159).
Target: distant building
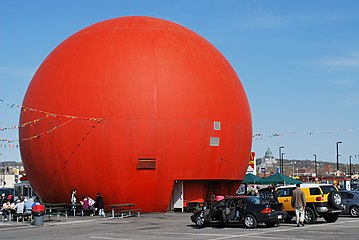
point(9, 173)
point(268, 160)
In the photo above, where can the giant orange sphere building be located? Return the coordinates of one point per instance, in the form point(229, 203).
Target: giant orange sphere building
point(140, 109)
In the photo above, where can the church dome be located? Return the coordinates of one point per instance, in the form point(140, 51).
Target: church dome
point(268, 154)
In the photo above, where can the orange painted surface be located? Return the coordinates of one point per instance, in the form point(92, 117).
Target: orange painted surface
point(159, 87)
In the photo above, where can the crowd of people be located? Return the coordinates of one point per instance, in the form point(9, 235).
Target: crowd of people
point(22, 207)
point(17, 208)
point(87, 203)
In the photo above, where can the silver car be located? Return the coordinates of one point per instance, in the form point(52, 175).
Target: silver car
point(351, 202)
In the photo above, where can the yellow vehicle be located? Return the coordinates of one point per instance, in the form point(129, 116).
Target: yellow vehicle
point(323, 200)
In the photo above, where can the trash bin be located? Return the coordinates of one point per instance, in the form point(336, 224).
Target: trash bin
point(38, 213)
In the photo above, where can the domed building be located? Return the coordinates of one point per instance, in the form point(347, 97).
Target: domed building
point(267, 161)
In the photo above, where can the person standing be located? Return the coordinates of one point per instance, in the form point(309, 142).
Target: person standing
point(100, 205)
point(298, 203)
point(73, 201)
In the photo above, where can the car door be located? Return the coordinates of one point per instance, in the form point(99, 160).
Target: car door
point(347, 200)
point(284, 196)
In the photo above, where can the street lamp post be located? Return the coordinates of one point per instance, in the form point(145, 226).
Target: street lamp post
point(315, 165)
point(282, 164)
point(338, 155)
point(280, 158)
point(350, 166)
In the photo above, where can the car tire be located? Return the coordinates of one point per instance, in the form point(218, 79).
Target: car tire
point(200, 222)
point(354, 211)
point(330, 218)
point(309, 215)
point(250, 221)
point(335, 199)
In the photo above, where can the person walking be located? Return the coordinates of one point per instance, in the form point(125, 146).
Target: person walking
point(298, 203)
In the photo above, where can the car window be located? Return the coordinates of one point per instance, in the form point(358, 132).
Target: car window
point(347, 195)
point(328, 189)
point(253, 200)
point(285, 192)
point(218, 204)
point(314, 191)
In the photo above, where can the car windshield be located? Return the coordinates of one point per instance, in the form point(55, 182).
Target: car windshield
point(328, 189)
point(253, 200)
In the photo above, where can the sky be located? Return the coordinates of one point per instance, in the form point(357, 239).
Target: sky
point(298, 62)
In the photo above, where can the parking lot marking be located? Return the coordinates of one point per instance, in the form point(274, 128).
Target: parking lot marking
point(109, 238)
point(256, 234)
point(193, 234)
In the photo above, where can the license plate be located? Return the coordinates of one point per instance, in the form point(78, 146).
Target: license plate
point(279, 216)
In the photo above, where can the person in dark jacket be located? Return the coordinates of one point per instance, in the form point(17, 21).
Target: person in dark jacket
point(298, 203)
point(99, 204)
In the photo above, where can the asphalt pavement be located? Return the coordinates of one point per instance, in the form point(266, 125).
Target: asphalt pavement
point(176, 226)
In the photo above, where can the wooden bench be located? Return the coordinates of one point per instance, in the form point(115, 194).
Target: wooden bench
point(57, 209)
point(128, 212)
point(56, 212)
point(21, 216)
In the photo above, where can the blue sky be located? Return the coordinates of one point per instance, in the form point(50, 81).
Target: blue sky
point(298, 61)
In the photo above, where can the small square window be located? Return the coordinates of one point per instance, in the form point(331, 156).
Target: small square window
point(214, 141)
point(216, 125)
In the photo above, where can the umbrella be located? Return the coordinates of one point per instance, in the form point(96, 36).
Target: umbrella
point(279, 178)
point(252, 179)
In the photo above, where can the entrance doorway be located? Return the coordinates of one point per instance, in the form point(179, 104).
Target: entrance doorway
point(176, 203)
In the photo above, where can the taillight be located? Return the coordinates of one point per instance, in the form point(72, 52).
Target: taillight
point(267, 210)
point(319, 198)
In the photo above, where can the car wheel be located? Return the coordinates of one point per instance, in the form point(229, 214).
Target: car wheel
point(335, 199)
point(271, 224)
point(200, 221)
point(309, 216)
point(250, 221)
point(330, 218)
point(354, 211)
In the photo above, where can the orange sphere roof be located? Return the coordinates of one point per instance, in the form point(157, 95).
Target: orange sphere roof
point(126, 106)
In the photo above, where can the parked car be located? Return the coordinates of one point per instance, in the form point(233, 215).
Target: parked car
point(351, 202)
point(323, 200)
point(247, 210)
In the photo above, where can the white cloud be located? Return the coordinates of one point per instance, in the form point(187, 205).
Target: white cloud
point(343, 82)
point(351, 101)
point(347, 61)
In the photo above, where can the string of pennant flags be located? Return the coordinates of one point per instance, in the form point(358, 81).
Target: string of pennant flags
point(24, 124)
point(24, 108)
point(6, 143)
point(260, 136)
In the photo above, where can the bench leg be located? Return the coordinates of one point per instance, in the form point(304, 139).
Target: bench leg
point(138, 214)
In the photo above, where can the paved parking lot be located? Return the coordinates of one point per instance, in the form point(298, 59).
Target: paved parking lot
point(174, 226)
